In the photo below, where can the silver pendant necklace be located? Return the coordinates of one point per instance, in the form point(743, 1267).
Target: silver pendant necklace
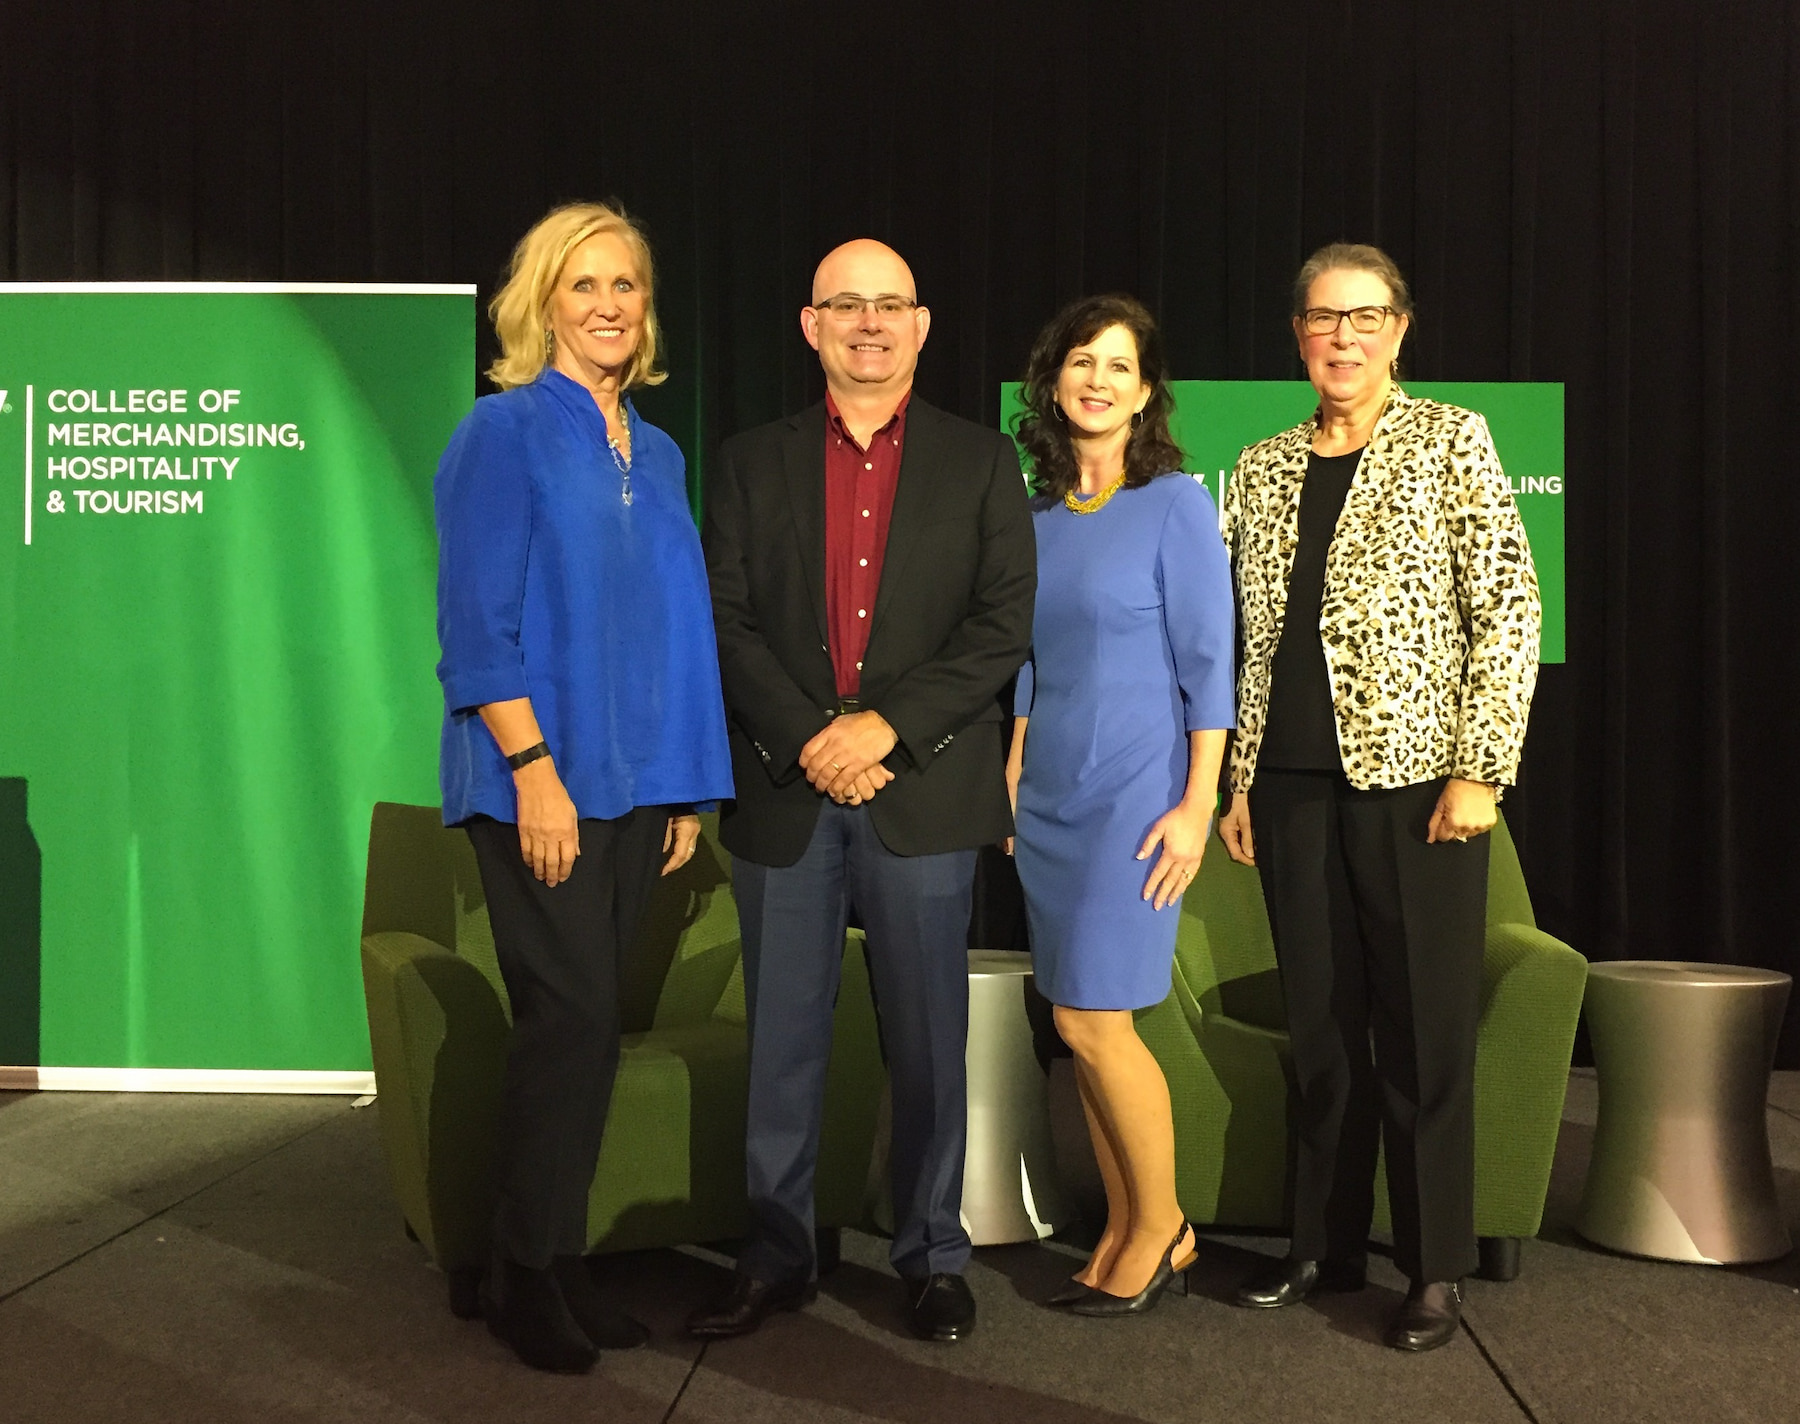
point(624, 466)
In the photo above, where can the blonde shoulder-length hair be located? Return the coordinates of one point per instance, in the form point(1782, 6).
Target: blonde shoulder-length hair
point(520, 310)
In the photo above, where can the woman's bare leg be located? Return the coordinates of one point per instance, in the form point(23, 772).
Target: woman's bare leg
point(1130, 1097)
point(1118, 1200)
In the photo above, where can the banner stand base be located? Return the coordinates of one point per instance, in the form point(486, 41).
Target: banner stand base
point(185, 1080)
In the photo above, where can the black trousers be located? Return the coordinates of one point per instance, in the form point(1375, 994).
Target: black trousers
point(560, 949)
point(1379, 937)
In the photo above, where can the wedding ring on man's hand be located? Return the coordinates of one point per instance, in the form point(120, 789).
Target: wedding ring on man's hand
point(1462, 838)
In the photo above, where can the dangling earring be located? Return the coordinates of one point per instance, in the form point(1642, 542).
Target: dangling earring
point(549, 343)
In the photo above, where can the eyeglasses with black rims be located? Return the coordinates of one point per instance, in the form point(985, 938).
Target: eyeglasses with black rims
point(847, 306)
point(1323, 321)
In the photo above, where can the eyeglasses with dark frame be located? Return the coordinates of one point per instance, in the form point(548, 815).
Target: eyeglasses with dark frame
point(847, 306)
point(1323, 321)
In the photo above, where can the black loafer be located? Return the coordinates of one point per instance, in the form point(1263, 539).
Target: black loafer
point(940, 1307)
point(606, 1325)
point(1428, 1317)
point(1291, 1280)
point(525, 1308)
point(748, 1304)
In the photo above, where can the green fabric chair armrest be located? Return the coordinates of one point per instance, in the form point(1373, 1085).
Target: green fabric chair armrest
point(698, 977)
point(1532, 990)
point(671, 1168)
point(438, 1039)
point(672, 1164)
point(1183, 999)
point(1221, 1040)
point(1251, 1067)
point(1532, 985)
point(1228, 1085)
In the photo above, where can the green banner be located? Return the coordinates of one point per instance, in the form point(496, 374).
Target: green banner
point(1215, 420)
point(217, 639)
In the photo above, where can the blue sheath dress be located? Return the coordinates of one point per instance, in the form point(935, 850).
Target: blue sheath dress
point(1131, 651)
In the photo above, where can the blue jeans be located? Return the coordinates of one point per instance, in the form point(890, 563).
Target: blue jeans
point(915, 915)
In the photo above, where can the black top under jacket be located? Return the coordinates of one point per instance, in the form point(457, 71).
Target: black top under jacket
point(1302, 727)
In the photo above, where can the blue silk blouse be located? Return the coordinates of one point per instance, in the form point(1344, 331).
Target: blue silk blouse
point(553, 586)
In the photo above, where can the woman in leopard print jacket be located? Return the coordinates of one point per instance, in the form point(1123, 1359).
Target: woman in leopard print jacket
point(1390, 641)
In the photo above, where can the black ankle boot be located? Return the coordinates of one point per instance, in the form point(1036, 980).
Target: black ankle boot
point(525, 1308)
point(606, 1325)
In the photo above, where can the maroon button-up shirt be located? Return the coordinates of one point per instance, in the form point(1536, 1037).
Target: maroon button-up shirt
point(859, 500)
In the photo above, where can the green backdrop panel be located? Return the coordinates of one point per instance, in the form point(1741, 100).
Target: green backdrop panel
point(212, 669)
point(1214, 420)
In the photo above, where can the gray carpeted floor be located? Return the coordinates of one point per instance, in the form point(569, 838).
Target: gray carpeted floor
point(226, 1258)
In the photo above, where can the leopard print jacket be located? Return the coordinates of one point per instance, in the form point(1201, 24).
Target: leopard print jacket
point(1430, 616)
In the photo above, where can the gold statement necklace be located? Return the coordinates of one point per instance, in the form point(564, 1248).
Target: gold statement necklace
point(1096, 501)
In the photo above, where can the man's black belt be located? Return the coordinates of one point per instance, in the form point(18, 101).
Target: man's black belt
point(845, 706)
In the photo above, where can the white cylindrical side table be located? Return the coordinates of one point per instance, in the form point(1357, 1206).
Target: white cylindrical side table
point(1010, 1187)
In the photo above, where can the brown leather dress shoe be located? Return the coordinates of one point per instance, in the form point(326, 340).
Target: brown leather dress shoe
point(748, 1304)
point(1428, 1317)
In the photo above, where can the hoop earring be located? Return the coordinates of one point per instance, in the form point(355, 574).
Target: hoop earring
point(1137, 419)
point(1057, 411)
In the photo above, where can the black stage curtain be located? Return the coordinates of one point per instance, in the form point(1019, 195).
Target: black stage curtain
point(1599, 192)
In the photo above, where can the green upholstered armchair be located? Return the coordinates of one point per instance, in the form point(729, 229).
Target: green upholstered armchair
point(671, 1167)
point(1221, 1040)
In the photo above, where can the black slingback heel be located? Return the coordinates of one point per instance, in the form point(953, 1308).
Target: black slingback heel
point(1069, 1293)
point(1103, 1304)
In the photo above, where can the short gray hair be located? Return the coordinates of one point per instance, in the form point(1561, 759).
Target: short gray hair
point(1356, 257)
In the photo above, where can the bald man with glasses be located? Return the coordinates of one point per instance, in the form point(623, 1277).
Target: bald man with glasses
point(873, 577)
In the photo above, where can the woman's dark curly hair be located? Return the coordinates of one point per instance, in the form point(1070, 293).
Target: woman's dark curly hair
point(1040, 427)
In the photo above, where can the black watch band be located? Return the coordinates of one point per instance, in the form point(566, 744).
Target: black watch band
point(529, 755)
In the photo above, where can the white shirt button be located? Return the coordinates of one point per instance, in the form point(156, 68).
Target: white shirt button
point(859, 667)
point(865, 514)
point(862, 613)
point(868, 465)
point(862, 563)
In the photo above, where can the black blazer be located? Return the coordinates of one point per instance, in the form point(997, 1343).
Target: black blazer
point(952, 624)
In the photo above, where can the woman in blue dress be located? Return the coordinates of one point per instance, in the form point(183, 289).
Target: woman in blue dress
point(1121, 720)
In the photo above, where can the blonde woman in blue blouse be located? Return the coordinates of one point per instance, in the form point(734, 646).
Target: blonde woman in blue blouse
point(582, 722)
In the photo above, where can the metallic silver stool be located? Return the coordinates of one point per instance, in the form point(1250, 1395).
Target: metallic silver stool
point(1680, 1168)
point(1010, 1186)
